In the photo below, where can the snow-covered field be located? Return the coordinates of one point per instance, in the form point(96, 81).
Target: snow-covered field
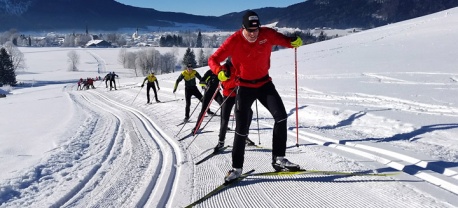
point(381, 100)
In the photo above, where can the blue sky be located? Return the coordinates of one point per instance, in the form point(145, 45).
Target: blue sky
point(208, 7)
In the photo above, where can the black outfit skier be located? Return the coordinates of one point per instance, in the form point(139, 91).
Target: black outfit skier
point(189, 75)
point(112, 80)
point(210, 83)
point(107, 78)
point(150, 84)
point(250, 49)
point(229, 91)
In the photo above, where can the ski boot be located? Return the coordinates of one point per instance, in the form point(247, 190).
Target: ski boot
point(248, 142)
point(232, 175)
point(219, 146)
point(283, 164)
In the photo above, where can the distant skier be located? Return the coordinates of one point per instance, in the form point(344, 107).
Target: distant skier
point(107, 78)
point(90, 83)
point(189, 75)
point(80, 84)
point(151, 80)
point(113, 80)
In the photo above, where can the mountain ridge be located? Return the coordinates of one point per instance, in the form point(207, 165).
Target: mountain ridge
point(110, 15)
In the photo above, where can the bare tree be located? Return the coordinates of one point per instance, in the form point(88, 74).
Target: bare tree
point(69, 40)
point(115, 39)
point(8, 36)
point(17, 57)
point(122, 57)
point(73, 59)
point(168, 61)
point(201, 58)
point(148, 60)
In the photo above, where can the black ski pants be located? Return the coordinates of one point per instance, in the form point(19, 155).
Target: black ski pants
point(269, 98)
point(148, 86)
point(112, 84)
point(188, 93)
point(226, 109)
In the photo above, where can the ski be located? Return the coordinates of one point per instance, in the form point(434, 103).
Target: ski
point(321, 172)
point(185, 137)
point(220, 188)
point(211, 155)
point(180, 123)
point(184, 122)
point(168, 101)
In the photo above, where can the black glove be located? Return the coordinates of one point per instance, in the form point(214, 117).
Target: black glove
point(227, 66)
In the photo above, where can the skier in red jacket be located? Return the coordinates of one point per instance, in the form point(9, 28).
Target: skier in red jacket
point(250, 49)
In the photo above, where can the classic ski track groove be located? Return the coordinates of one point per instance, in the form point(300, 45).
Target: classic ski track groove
point(165, 171)
point(233, 194)
point(446, 180)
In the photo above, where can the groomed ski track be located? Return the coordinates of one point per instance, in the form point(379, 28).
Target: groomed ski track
point(159, 169)
point(138, 163)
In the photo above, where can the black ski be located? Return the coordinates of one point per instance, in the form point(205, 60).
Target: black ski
point(220, 188)
point(211, 155)
point(185, 137)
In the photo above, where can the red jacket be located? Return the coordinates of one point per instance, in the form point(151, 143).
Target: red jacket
point(251, 60)
point(229, 85)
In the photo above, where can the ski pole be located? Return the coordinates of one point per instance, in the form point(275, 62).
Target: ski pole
point(224, 101)
point(297, 113)
point(137, 95)
point(188, 120)
point(257, 119)
point(206, 109)
point(233, 119)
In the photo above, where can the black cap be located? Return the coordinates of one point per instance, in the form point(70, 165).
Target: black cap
point(250, 19)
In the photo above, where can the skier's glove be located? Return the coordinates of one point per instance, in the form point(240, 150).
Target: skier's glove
point(142, 85)
point(296, 42)
point(222, 74)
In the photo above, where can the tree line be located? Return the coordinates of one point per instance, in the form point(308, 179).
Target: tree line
point(147, 60)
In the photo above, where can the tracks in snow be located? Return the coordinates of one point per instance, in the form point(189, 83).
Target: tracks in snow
point(140, 163)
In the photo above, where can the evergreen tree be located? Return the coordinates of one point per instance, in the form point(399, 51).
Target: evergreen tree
point(322, 36)
point(189, 57)
point(199, 40)
point(7, 75)
point(202, 59)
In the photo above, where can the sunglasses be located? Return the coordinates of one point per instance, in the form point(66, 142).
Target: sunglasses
point(252, 30)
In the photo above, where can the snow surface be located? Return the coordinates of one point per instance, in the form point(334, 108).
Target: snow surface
point(381, 100)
